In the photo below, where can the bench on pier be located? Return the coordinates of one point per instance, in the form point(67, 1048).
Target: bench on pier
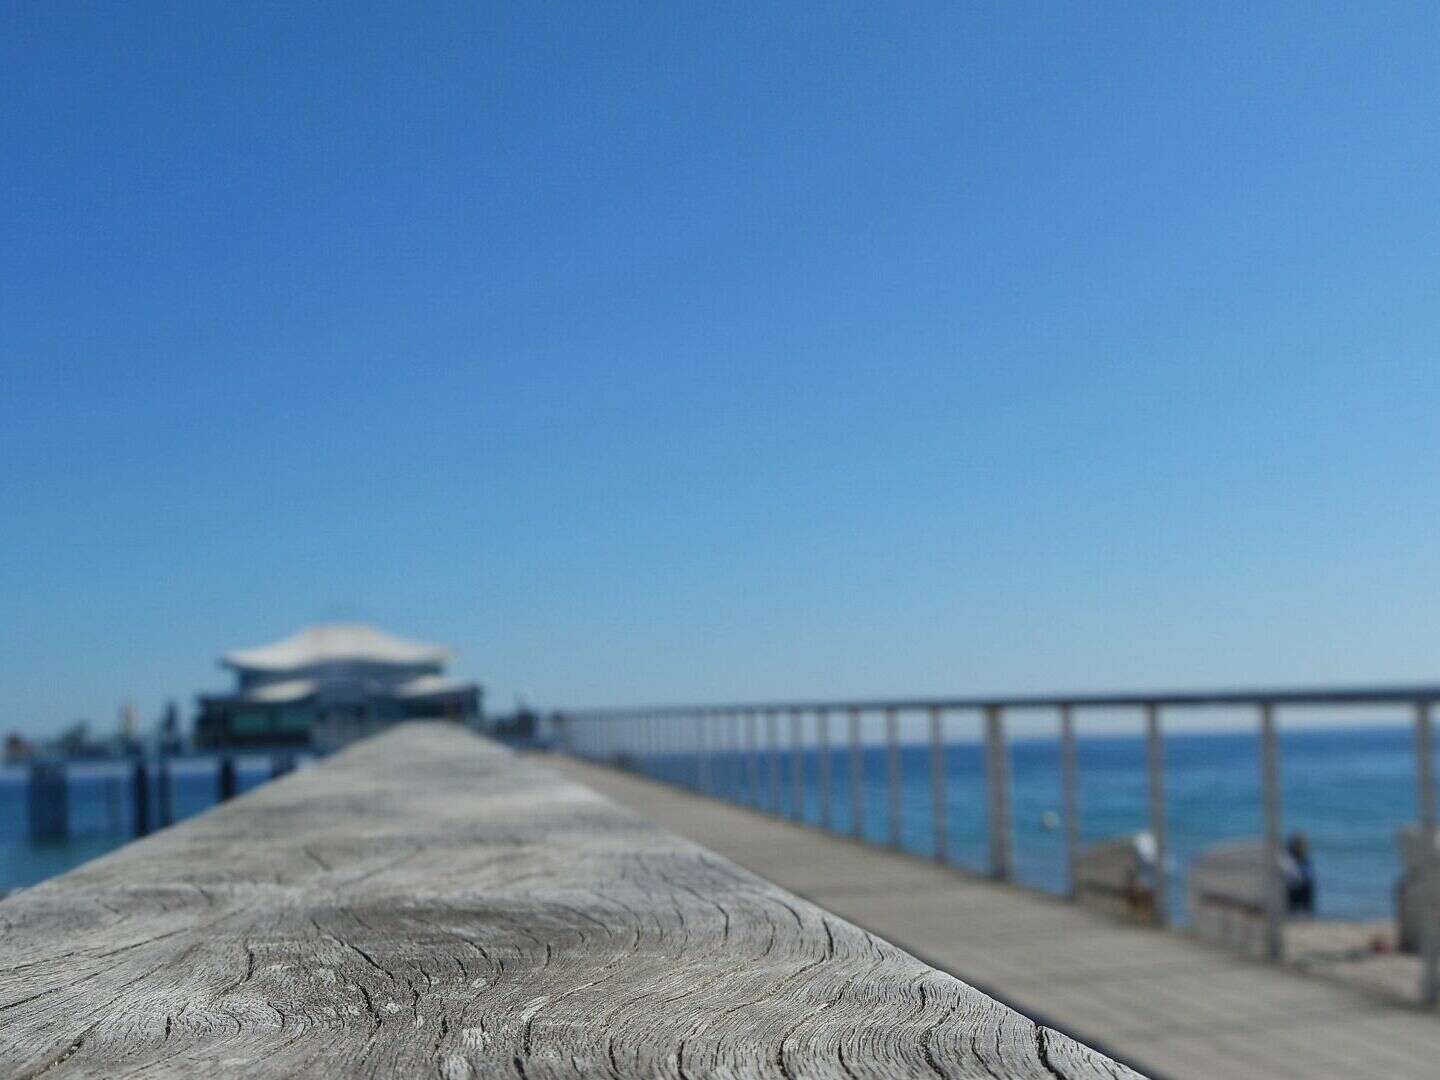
point(1226, 895)
point(1117, 877)
point(426, 903)
point(1417, 859)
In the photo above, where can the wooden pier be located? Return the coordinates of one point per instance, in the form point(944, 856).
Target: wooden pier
point(427, 904)
point(1167, 1005)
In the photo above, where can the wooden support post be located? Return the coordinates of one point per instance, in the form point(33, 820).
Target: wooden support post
point(857, 777)
point(49, 798)
point(1275, 898)
point(1069, 795)
point(1430, 872)
point(892, 774)
point(225, 785)
point(772, 733)
point(164, 792)
point(937, 784)
point(997, 791)
point(797, 767)
point(140, 791)
point(1155, 766)
point(822, 740)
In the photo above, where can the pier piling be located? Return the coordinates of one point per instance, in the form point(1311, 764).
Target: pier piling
point(225, 779)
point(49, 801)
point(140, 790)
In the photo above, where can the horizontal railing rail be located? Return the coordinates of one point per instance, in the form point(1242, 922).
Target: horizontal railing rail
point(646, 731)
point(1403, 694)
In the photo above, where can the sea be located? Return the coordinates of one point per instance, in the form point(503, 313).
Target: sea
point(101, 807)
point(1350, 790)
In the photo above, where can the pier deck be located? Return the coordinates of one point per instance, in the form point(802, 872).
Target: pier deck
point(1165, 1004)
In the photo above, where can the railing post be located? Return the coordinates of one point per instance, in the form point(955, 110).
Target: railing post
point(797, 768)
point(1270, 794)
point(772, 734)
point(675, 749)
point(702, 746)
point(1070, 794)
point(857, 777)
point(752, 760)
point(1430, 869)
point(937, 784)
point(736, 768)
point(997, 785)
point(822, 740)
point(892, 774)
point(1155, 766)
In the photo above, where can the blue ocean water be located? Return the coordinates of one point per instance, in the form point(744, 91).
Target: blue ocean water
point(102, 817)
point(1349, 790)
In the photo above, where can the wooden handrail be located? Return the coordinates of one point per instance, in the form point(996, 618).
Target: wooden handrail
point(429, 904)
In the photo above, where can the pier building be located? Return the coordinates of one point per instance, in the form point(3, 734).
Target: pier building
point(326, 685)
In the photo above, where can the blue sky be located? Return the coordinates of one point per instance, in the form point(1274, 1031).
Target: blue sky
point(678, 352)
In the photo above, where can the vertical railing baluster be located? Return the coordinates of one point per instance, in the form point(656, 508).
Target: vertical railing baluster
point(1429, 890)
point(1155, 766)
point(857, 777)
point(735, 768)
point(997, 788)
point(1069, 795)
point(797, 767)
point(892, 774)
point(822, 740)
point(937, 784)
point(702, 739)
point(676, 751)
point(752, 760)
point(1275, 900)
point(772, 733)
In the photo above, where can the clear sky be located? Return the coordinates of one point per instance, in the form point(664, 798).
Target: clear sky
point(691, 352)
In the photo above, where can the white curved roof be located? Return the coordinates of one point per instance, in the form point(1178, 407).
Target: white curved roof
point(426, 685)
point(332, 643)
point(281, 693)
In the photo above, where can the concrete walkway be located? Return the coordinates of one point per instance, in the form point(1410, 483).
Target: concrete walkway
point(1168, 1006)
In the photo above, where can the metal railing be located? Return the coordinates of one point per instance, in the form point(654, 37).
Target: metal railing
point(627, 735)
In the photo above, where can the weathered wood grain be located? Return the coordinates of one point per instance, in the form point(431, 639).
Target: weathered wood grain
point(428, 904)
